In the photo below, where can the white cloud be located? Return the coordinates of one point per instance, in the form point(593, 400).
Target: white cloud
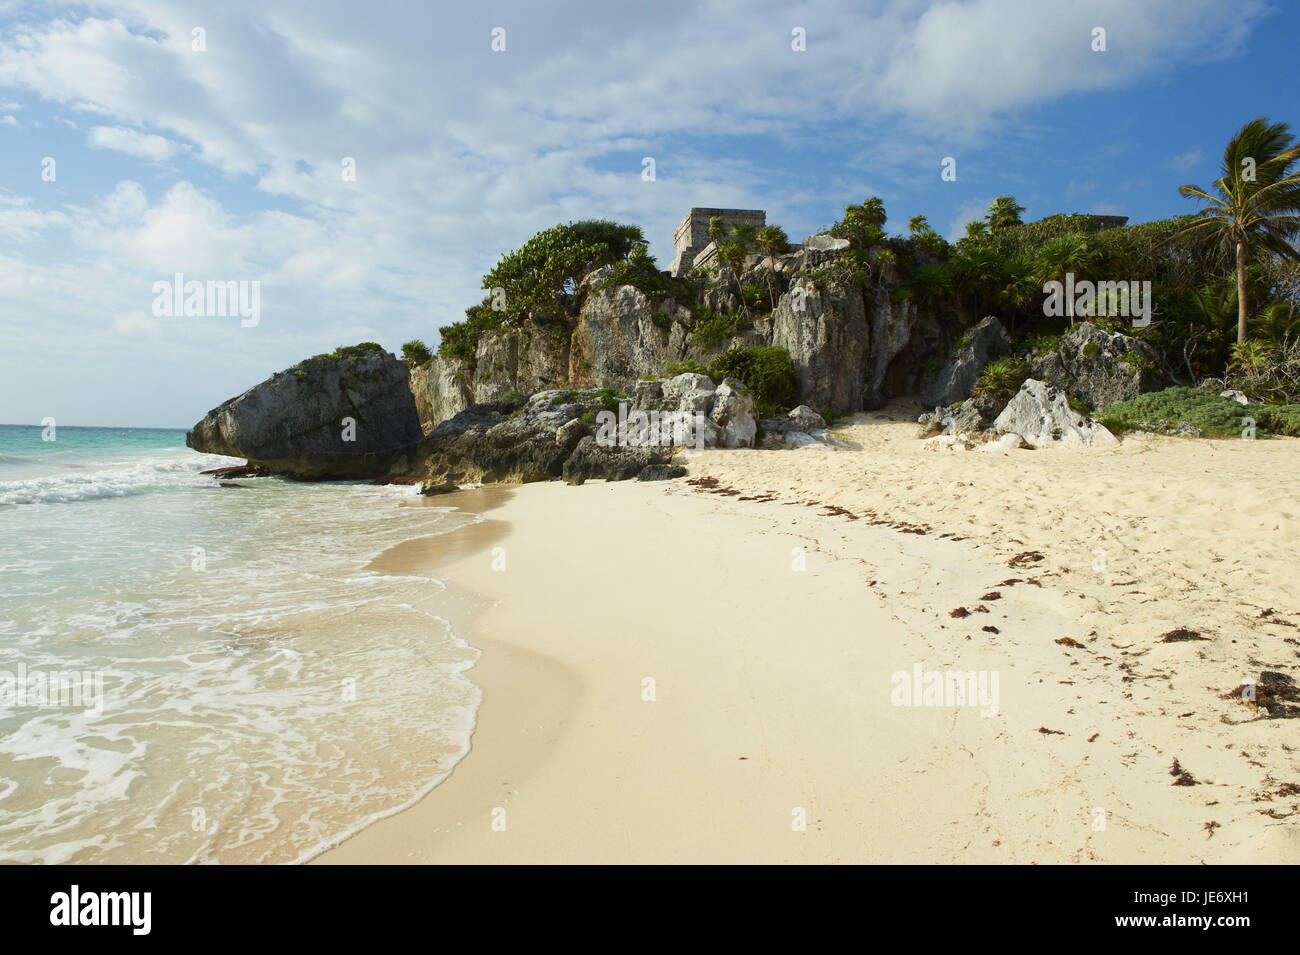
point(964, 62)
point(462, 152)
point(1184, 162)
point(134, 143)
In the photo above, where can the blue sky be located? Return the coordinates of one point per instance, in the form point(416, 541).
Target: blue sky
point(225, 163)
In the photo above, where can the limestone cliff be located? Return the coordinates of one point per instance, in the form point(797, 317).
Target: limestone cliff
point(853, 347)
point(347, 415)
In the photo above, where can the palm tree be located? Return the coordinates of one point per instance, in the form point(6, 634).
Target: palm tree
point(1277, 322)
point(978, 270)
point(862, 225)
point(873, 212)
point(886, 262)
point(717, 231)
point(1256, 205)
point(1004, 213)
point(976, 229)
point(1019, 285)
point(746, 233)
point(773, 241)
point(1065, 253)
point(732, 252)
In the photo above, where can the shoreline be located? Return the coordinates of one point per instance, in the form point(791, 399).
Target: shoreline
point(533, 680)
point(773, 686)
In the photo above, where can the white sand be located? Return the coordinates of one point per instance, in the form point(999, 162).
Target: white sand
point(773, 685)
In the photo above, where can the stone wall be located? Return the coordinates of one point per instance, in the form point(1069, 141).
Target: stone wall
point(691, 237)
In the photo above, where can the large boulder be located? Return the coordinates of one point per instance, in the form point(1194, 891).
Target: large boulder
point(826, 332)
point(733, 413)
point(349, 415)
point(1042, 416)
point(718, 415)
point(956, 380)
point(688, 392)
point(591, 461)
point(492, 442)
point(546, 438)
point(971, 416)
point(1099, 367)
point(801, 428)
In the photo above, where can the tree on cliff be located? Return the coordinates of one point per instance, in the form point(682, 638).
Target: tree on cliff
point(541, 277)
point(1255, 206)
point(717, 230)
point(1004, 212)
point(862, 225)
point(772, 241)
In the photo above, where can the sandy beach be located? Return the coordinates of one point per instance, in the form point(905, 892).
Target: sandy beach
point(712, 672)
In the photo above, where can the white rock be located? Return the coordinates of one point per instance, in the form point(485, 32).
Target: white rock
point(1007, 442)
point(733, 412)
point(825, 243)
point(689, 392)
point(1043, 417)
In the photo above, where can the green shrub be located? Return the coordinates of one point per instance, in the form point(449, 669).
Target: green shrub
point(1042, 344)
point(1079, 405)
point(416, 353)
point(640, 271)
point(1002, 378)
point(713, 328)
point(609, 398)
point(1216, 417)
point(360, 350)
point(512, 401)
point(767, 372)
point(752, 295)
point(675, 368)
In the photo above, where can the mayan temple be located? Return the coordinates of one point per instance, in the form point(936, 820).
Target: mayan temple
point(691, 237)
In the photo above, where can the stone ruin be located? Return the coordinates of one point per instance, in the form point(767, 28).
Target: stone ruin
point(691, 238)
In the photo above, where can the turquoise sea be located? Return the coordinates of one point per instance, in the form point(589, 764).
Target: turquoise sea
point(192, 673)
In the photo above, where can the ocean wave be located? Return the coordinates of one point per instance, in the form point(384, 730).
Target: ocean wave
point(113, 479)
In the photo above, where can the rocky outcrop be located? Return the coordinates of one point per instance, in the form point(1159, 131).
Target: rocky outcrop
point(1042, 416)
point(822, 242)
point(956, 380)
point(1100, 368)
point(591, 461)
point(498, 443)
point(733, 413)
point(801, 428)
point(325, 418)
point(441, 389)
point(826, 332)
point(725, 414)
point(965, 417)
point(891, 327)
point(620, 338)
